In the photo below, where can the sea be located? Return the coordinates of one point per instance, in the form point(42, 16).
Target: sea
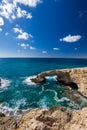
point(18, 93)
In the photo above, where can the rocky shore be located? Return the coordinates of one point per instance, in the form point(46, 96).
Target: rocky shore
point(55, 118)
point(76, 78)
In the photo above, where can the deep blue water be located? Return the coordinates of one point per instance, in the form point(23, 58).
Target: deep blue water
point(18, 92)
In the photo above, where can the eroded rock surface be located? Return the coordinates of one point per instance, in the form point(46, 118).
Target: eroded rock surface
point(8, 123)
point(78, 121)
point(52, 119)
point(56, 118)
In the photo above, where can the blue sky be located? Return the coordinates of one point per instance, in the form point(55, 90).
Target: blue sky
point(43, 28)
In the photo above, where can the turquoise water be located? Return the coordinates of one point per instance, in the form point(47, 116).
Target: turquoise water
point(18, 92)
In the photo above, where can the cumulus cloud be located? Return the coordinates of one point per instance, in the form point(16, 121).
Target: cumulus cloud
point(44, 52)
point(55, 49)
point(22, 34)
point(22, 13)
point(23, 45)
point(17, 30)
point(32, 48)
point(11, 10)
point(30, 3)
point(70, 38)
point(1, 21)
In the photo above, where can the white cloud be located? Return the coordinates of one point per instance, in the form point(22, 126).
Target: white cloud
point(44, 52)
point(32, 48)
point(1, 21)
point(70, 38)
point(23, 45)
point(30, 3)
point(0, 29)
point(11, 10)
point(17, 30)
point(22, 34)
point(7, 9)
point(55, 49)
point(23, 13)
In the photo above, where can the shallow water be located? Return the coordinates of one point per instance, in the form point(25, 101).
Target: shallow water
point(18, 92)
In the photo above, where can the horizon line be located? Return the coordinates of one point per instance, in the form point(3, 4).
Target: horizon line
point(50, 57)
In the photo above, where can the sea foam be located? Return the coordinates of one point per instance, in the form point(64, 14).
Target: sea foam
point(28, 81)
point(51, 78)
point(12, 111)
point(4, 83)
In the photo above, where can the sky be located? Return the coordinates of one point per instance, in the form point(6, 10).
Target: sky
point(43, 28)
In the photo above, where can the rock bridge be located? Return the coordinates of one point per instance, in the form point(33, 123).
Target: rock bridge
point(75, 78)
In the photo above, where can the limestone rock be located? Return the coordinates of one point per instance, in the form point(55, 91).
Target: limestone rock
point(52, 119)
point(78, 121)
point(8, 123)
point(56, 118)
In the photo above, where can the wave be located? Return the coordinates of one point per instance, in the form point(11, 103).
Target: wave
point(14, 110)
point(28, 80)
point(63, 99)
point(4, 83)
point(51, 78)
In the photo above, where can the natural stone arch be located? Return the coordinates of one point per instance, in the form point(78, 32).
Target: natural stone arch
point(78, 76)
point(62, 77)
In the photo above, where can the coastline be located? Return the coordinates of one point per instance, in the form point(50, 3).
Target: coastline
point(55, 118)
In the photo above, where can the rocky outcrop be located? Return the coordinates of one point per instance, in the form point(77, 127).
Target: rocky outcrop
point(56, 118)
point(8, 123)
point(73, 77)
point(78, 121)
point(52, 119)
